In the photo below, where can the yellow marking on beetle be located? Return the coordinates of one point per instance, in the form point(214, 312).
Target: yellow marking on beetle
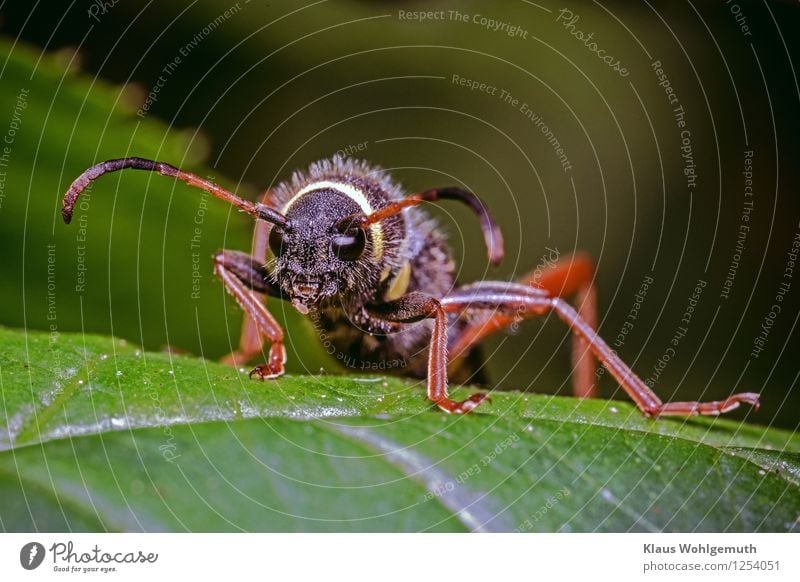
point(356, 196)
point(399, 285)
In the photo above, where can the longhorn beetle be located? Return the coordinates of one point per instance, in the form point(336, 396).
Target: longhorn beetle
point(351, 249)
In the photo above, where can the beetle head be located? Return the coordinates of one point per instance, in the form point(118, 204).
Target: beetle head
point(319, 253)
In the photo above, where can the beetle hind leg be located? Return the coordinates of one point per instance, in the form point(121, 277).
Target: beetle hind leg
point(574, 276)
point(515, 300)
point(566, 276)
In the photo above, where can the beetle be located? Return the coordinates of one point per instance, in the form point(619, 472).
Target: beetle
point(350, 248)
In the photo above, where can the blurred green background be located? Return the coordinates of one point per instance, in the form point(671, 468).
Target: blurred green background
point(247, 92)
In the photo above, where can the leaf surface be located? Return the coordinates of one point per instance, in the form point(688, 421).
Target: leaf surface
point(100, 434)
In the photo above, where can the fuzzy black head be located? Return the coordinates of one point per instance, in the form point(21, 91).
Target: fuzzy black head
point(321, 253)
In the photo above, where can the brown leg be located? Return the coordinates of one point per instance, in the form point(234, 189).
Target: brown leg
point(526, 302)
point(568, 276)
point(251, 341)
point(437, 371)
point(244, 279)
point(416, 307)
point(574, 276)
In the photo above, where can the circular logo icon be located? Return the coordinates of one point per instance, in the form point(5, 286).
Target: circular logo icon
point(31, 555)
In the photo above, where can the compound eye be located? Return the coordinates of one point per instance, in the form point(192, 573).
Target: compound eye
point(348, 246)
point(276, 242)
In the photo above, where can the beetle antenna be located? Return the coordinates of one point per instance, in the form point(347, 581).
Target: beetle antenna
point(491, 230)
point(260, 211)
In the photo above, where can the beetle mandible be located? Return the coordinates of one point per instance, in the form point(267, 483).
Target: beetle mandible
point(350, 247)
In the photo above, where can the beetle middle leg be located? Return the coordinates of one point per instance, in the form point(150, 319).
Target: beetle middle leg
point(417, 306)
point(244, 277)
point(522, 300)
point(571, 276)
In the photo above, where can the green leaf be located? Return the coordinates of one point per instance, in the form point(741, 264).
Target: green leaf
point(102, 435)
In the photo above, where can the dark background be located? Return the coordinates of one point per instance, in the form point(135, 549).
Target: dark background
point(278, 85)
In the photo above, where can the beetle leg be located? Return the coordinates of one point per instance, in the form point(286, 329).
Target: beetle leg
point(569, 276)
point(522, 300)
point(244, 278)
point(251, 340)
point(415, 307)
point(575, 276)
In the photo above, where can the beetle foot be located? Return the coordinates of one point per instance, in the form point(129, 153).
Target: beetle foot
point(465, 406)
point(266, 372)
point(274, 367)
point(705, 408)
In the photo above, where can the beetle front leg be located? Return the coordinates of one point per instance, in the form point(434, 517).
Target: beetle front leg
point(245, 279)
point(416, 307)
point(251, 340)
